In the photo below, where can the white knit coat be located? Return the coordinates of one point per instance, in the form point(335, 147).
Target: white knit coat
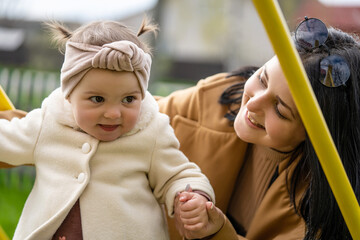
point(121, 184)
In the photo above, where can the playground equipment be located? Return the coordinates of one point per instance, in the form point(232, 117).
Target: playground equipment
point(5, 103)
point(305, 100)
point(3, 235)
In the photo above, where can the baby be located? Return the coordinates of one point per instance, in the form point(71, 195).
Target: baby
point(105, 158)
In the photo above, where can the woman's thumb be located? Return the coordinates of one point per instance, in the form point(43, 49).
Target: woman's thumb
point(213, 211)
point(216, 217)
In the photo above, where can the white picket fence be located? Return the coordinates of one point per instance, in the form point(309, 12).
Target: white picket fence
point(27, 88)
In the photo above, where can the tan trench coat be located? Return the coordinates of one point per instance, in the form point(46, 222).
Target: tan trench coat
point(207, 139)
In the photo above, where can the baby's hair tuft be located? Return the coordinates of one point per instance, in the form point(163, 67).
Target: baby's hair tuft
point(59, 34)
point(147, 26)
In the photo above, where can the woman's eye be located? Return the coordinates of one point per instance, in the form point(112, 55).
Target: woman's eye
point(97, 99)
point(279, 113)
point(128, 99)
point(262, 81)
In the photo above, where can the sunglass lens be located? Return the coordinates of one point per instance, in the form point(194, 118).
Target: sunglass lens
point(334, 71)
point(311, 33)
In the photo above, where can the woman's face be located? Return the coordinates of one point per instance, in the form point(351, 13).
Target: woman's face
point(268, 115)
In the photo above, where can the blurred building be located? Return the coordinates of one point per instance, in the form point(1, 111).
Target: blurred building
point(197, 38)
point(26, 44)
point(345, 17)
point(203, 37)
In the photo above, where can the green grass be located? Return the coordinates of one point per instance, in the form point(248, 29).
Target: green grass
point(15, 186)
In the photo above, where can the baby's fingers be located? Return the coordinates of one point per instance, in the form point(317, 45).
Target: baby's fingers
point(191, 221)
point(186, 196)
point(195, 227)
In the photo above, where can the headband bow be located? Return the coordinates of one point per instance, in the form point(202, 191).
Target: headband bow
point(117, 56)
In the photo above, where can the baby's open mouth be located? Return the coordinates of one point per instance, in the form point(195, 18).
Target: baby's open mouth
point(108, 127)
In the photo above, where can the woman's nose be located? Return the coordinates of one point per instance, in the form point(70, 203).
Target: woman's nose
point(258, 101)
point(112, 113)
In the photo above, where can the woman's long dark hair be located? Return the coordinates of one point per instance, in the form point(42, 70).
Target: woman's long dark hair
point(232, 96)
point(341, 110)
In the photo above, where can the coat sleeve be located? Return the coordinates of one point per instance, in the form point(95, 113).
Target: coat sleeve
point(276, 218)
point(228, 232)
point(9, 114)
point(170, 171)
point(182, 102)
point(177, 103)
point(18, 138)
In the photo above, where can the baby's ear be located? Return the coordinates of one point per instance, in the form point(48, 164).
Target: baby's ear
point(69, 98)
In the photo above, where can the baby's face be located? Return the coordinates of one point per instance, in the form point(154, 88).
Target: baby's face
point(106, 104)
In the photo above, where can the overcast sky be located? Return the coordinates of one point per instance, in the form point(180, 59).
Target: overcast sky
point(341, 2)
point(88, 10)
point(72, 10)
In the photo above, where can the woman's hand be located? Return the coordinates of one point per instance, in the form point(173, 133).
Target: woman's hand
point(9, 114)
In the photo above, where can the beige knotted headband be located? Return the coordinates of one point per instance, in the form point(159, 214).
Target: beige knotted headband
point(117, 56)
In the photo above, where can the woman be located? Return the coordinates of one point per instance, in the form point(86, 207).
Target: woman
point(281, 191)
point(268, 187)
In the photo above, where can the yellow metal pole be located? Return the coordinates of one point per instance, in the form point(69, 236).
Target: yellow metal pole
point(3, 235)
point(5, 103)
point(305, 100)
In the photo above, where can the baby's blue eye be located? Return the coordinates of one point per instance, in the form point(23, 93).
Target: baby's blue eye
point(97, 99)
point(128, 99)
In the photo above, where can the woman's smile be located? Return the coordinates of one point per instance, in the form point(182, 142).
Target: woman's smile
point(252, 122)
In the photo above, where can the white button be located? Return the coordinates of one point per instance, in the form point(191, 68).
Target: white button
point(81, 177)
point(85, 148)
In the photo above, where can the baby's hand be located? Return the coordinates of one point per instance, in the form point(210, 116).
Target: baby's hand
point(191, 215)
point(193, 212)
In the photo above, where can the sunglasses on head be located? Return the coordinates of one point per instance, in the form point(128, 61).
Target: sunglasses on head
point(334, 70)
